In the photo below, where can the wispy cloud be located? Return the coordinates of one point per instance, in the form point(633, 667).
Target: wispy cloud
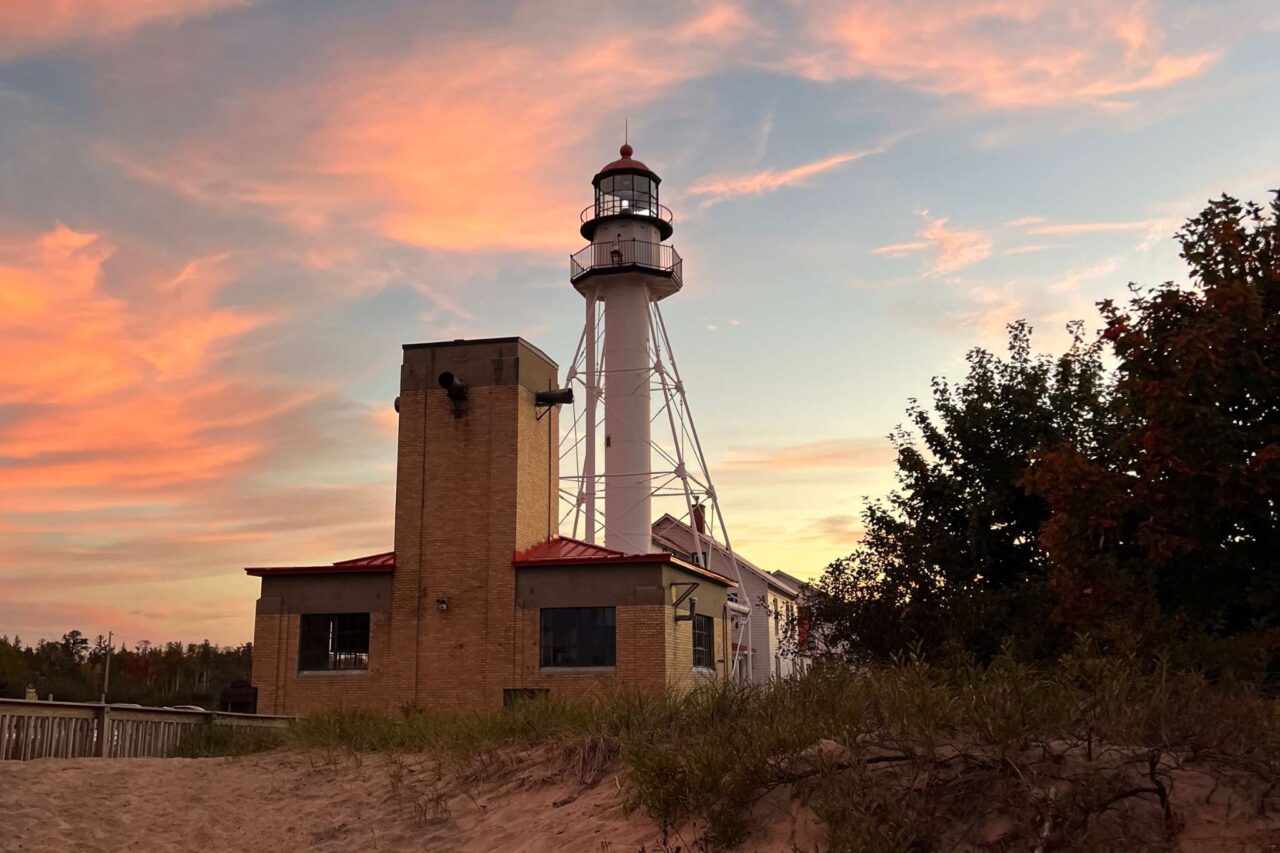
point(30, 27)
point(840, 531)
point(436, 148)
point(1031, 248)
point(716, 189)
point(829, 455)
point(130, 445)
point(1005, 54)
point(893, 250)
point(951, 249)
point(1099, 227)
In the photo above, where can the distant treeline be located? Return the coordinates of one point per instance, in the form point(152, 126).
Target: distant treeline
point(71, 669)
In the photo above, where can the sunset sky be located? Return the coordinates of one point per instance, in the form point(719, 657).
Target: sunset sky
point(217, 226)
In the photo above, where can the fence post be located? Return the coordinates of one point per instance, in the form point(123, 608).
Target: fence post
point(104, 731)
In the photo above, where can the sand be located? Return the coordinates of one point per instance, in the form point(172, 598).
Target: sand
point(287, 801)
point(290, 801)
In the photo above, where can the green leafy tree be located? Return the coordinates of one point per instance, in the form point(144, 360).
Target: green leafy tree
point(950, 558)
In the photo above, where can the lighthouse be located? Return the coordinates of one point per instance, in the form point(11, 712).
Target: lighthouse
point(626, 268)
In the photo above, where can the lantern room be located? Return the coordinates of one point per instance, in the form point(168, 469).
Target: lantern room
point(626, 189)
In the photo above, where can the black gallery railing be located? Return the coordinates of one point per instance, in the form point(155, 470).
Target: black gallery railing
point(599, 257)
point(613, 206)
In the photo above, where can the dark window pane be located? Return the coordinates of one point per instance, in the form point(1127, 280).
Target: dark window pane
point(313, 644)
point(577, 636)
point(333, 641)
point(704, 650)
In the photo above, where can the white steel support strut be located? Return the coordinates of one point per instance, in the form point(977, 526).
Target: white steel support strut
point(676, 447)
point(671, 391)
point(588, 484)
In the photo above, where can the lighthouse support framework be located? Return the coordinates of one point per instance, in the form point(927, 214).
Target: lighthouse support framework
point(678, 463)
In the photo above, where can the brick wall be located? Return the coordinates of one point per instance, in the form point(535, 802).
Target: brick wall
point(640, 631)
point(471, 490)
point(284, 690)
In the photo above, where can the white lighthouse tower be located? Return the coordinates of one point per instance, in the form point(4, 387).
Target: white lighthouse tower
point(627, 268)
point(624, 360)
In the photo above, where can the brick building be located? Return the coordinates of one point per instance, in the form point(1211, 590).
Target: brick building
point(481, 601)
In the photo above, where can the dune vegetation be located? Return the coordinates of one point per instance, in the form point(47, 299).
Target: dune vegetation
point(1092, 753)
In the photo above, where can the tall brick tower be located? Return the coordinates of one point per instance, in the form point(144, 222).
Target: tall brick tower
point(477, 480)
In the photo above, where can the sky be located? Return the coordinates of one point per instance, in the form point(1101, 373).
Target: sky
point(220, 219)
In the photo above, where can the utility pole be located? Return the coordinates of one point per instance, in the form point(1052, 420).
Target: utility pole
point(106, 672)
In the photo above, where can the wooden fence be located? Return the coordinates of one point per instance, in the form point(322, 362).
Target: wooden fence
point(79, 730)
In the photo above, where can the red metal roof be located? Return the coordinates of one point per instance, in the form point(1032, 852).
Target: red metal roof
point(374, 564)
point(625, 164)
point(564, 548)
point(387, 559)
point(563, 551)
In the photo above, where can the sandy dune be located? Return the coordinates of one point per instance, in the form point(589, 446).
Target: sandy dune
point(289, 801)
point(285, 802)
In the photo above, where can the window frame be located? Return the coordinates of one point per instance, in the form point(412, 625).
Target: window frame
point(591, 644)
point(344, 637)
point(704, 655)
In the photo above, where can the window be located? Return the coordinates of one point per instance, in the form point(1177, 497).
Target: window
point(331, 641)
point(577, 636)
point(704, 645)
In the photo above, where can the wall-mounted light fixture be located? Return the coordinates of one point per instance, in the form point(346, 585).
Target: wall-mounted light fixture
point(457, 391)
point(547, 400)
point(442, 604)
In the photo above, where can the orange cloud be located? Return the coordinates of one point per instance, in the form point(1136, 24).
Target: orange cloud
point(722, 23)
point(30, 27)
point(1100, 227)
point(477, 145)
point(139, 466)
point(718, 189)
point(838, 454)
point(955, 248)
point(118, 393)
point(1005, 54)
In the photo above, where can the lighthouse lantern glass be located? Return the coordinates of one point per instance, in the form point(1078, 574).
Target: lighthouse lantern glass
point(635, 194)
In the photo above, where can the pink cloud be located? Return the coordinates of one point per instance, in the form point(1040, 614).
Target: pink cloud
point(717, 189)
point(132, 450)
point(123, 390)
point(1005, 54)
point(722, 23)
point(29, 27)
point(952, 248)
point(1100, 227)
point(893, 250)
point(477, 145)
point(837, 454)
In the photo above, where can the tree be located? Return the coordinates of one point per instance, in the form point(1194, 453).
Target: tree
point(951, 557)
point(1180, 523)
point(75, 646)
point(150, 675)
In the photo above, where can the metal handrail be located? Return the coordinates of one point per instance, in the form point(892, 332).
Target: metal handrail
point(626, 253)
point(612, 206)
